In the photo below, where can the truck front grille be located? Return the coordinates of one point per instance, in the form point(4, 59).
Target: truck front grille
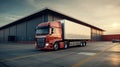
point(41, 42)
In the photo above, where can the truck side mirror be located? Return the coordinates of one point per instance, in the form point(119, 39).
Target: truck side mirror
point(51, 30)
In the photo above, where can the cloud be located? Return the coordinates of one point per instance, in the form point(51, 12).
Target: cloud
point(12, 18)
point(6, 19)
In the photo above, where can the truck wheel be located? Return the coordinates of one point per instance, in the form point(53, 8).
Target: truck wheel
point(85, 43)
point(82, 44)
point(56, 46)
point(66, 45)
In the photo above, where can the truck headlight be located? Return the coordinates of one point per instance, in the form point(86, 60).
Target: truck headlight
point(46, 44)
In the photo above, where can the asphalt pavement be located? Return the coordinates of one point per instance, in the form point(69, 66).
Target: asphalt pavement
point(95, 54)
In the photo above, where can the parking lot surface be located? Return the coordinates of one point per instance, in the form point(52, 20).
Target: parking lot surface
point(95, 54)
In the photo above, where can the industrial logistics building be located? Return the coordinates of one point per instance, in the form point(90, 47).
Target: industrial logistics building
point(23, 30)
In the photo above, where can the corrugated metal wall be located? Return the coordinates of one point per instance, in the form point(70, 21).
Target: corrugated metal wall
point(12, 31)
point(96, 35)
point(28, 28)
point(1, 36)
point(53, 18)
point(21, 32)
point(24, 31)
point(6, 34)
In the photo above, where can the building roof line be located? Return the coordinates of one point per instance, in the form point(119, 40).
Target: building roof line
point(48, 11)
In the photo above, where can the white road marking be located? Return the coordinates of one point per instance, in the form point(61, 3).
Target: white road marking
point(87, 53)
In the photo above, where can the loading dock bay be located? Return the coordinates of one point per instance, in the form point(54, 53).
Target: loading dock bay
point(95, 54)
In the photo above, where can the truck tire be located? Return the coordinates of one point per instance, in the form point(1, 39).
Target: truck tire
point(83, 43)
point(66, 45)
point(56, 46)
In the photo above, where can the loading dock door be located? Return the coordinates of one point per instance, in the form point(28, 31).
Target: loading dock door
point(12, 38)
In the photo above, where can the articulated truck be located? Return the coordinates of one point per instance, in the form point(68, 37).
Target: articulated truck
point(61, 34)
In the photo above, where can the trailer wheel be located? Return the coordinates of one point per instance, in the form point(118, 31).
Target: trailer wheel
point(83, 43)
point(56, 46)
point(66, 45)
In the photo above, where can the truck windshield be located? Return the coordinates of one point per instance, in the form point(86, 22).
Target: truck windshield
point(42, 30)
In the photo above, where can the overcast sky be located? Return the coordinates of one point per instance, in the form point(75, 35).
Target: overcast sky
point(104, 14)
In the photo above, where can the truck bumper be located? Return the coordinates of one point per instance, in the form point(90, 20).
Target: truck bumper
point(45, 48)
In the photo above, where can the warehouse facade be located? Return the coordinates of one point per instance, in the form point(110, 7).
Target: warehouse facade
point(23, 30)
